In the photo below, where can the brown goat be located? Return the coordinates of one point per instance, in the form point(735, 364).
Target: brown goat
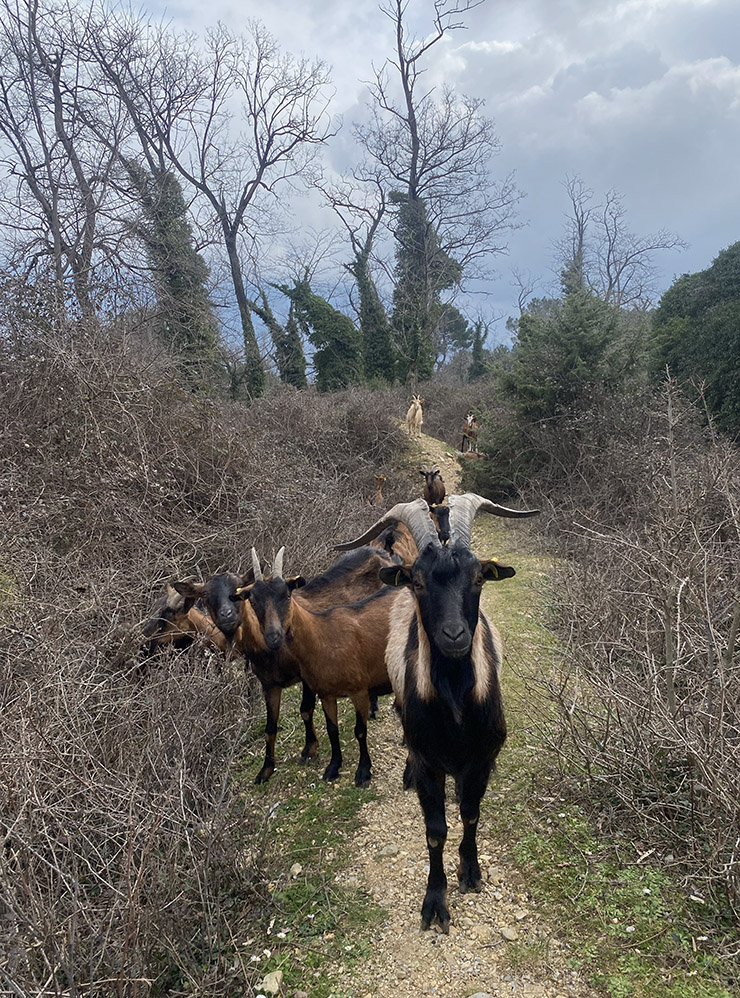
point(434, 486)
point(340, 651)
point(470, 434)
point(178, 622)
point(348, 579)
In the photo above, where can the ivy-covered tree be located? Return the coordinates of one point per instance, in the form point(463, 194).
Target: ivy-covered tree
point(423, 271)
point(289, 356)
point(185, 316)
point(338, 356)
point(379, 362)
point(478, 365)
point(696, 333)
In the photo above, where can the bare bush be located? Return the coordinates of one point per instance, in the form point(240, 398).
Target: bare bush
point(647, 600)
point(131, 862)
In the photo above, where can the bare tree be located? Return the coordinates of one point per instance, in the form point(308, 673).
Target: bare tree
point(361, 204)
point(437, 146)
point(61, 204)
point(432, 147)
point(186, 106)
point(601, 253)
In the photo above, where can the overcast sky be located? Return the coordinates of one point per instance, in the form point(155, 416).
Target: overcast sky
point(638, 95)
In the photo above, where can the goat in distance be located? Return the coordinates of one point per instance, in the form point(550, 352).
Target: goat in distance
point(444, 660)
point(469, 443)
point(414, 418)
point(434, 486)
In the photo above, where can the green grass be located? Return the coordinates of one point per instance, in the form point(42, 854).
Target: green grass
point(314, 920)
point(630, 929)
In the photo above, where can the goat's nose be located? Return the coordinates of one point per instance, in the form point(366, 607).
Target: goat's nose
point(274, 638)
point(454, 633)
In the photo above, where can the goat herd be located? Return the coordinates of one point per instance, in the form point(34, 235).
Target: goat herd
point(399, 612)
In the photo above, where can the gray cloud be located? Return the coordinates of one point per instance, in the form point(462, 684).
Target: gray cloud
point(638, 95)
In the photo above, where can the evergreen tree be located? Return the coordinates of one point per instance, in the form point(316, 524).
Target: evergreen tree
point(338, 356)
point(696, 333)
point(566, 351)
point(185, 317)
point(423, 270)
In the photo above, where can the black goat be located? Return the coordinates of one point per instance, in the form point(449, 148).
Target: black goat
point(444, 658)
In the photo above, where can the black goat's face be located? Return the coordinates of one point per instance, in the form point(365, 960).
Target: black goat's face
point(219, 596)
point(270, 600)
point(447, 583)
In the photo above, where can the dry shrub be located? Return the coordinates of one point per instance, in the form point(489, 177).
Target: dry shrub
point(446, 406)
point(647, 600)
point(131, 861)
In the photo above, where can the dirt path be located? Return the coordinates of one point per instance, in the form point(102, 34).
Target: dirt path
point(498, 943)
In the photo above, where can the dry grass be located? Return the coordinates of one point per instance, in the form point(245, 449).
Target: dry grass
point(131, 859)
point(647, 603)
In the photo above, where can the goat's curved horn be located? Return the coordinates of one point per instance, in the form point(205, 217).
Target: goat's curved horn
point(414, 514)
point(463, 510)
point(277, 565)
point(256, 567)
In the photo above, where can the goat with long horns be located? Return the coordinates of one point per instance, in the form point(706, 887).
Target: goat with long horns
point(444, 658)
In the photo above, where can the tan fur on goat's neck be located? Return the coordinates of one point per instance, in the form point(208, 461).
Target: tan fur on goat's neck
point(395, 656)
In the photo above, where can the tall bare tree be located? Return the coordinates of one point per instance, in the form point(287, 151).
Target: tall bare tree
point(59, 202)
point(599, 252)
point(239, 121)
point(434, 149)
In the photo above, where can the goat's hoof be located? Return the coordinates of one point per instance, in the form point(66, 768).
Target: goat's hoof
point(469, 878)
point(264, 774)
point(362, 779)
point(330, 773)
point(433, 910)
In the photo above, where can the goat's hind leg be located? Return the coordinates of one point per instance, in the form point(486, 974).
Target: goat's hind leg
point(308, 705)
point(470, 790)
point(332, 729)
point(361, 703)
point(430, 786)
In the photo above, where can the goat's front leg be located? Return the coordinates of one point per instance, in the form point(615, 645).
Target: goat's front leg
point(361, 703)
point(470, 789)
point(308, 705)
point(272, 704)
point(430, 786)
point(332, 729)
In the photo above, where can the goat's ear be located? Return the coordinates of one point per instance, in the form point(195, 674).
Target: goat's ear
point(186, 587)
point(395, 575)
point(242, 594)
point(493, 570)
point(295, 582)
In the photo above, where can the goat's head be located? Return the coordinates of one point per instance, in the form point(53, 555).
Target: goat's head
point(168, 623)
point(217, 595)
point(446, 580)
point(269, 600)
